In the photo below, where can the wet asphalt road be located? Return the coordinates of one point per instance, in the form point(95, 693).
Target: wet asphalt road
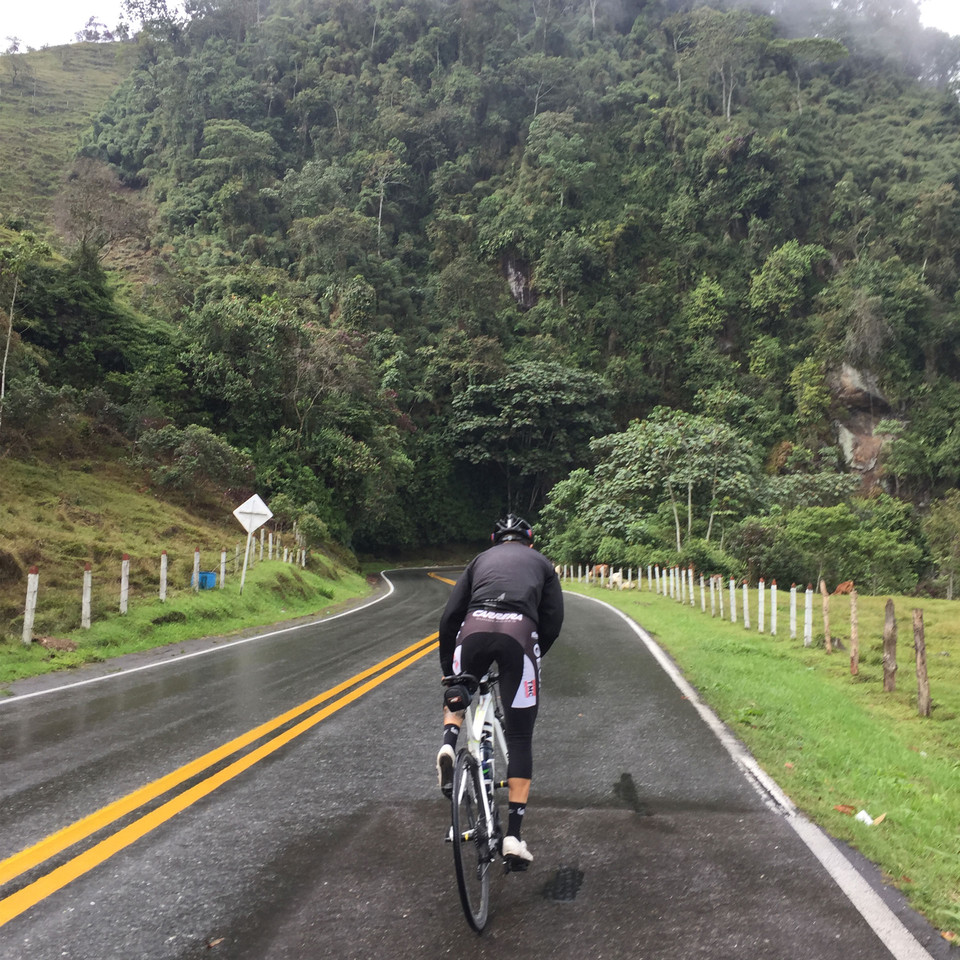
point(649, 840)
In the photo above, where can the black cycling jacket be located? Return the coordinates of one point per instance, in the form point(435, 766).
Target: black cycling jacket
point(511, 577)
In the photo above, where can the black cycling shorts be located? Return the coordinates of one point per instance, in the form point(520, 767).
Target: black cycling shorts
point(511, 641)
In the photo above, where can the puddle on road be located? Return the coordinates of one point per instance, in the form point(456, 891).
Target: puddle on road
point(564, 885)
point(625, 790)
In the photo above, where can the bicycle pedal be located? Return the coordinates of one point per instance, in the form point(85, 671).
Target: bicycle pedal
point(515, 865)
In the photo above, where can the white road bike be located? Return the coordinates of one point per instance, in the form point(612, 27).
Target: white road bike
point(476, 829)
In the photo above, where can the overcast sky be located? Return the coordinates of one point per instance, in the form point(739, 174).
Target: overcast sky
point(40, 22)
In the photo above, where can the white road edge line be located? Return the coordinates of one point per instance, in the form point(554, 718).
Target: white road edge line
point(882, 920)
point(19, 698)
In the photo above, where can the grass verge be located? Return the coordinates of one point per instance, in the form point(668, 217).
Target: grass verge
point(273, 591)
point(837, 743)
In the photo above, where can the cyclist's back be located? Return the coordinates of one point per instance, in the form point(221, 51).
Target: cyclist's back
point(505, 579)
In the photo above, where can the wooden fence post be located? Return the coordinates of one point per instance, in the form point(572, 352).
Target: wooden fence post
point(854, 634)
point(30, 610)
point(163, 577)
point(85, 597)
point(124, 582)
point(828, 643)
point(889, 649)
point(923, 681)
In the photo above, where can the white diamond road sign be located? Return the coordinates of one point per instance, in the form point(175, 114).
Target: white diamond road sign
point(252, 514)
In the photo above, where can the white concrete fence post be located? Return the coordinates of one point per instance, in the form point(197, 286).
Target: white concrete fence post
point(808, 617)
point(733, 600)
point(163, 577)
point(195, 581)
point(773, 608)
point(30, 610)
point(124, 582)
point(223, 566)
point(793, 611)
point(761, 604)
point(85, 598)
point(720, 595)
point(746, 606)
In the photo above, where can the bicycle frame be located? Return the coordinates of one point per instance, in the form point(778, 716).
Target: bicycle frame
point(475, 828)
point(481, 714)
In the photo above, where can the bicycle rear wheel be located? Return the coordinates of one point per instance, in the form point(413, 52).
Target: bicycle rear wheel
point(471, 854)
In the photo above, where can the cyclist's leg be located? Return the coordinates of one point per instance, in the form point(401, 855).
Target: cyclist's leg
point(519, 691)
point(471, 657)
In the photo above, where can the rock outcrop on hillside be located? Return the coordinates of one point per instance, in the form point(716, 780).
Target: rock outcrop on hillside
point(862, 405)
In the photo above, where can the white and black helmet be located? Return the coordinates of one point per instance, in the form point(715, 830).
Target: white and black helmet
point(512, 528)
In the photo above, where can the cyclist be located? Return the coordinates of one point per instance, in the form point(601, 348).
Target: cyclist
point(507, 606)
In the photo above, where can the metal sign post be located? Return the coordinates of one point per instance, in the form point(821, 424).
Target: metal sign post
point(252, 514)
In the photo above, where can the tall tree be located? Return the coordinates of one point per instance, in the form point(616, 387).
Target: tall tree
point(533, 423)
point(15, 258)
point(94, 211)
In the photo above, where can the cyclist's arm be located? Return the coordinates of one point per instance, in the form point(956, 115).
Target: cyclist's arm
point(550, 613)
point(452, 619)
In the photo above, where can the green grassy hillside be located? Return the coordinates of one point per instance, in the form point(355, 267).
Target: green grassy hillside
point(46, 100)
point(60, 517)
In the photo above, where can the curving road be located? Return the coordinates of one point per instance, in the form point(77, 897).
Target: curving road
point(275, 798)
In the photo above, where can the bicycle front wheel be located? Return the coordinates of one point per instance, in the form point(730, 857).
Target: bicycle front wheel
point(471, 854)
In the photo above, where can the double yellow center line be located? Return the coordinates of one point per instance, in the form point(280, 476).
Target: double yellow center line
point(15, 866)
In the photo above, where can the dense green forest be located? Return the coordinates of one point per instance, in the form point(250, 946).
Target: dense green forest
point(677, 281)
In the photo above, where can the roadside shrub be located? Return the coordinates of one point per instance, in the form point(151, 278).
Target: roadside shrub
point(191, 459)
